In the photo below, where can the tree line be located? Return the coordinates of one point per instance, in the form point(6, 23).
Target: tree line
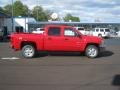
point(19, 9)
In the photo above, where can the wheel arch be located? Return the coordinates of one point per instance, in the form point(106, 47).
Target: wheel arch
point(95, 44)
point(28, 43)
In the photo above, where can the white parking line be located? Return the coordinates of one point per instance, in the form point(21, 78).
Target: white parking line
point(10, 58)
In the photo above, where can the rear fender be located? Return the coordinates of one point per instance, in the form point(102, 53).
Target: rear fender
point(28, 43)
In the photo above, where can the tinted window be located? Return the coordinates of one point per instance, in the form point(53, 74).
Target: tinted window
point(18, 29)
point(97, 30)
point(81, 29)
point(54, 31)
point(42, 29)
point(101, 30)
point(69, 32)
point(107, 30)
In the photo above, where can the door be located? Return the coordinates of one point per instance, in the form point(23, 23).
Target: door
point(72, 40)
point(53, 39)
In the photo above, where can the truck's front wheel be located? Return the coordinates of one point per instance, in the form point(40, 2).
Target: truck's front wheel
point(91, 51)
point(28, 51)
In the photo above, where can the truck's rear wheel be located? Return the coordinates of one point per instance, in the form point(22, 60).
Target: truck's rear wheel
point(91, 51)
point(28, 51)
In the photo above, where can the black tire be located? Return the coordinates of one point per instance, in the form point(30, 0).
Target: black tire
point(92, 51)
point(28, 51)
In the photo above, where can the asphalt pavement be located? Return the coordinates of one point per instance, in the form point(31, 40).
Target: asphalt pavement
point(60, 71)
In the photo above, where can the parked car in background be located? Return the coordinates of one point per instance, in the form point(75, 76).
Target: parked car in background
point(118, 33)
point(83, 30)
point(101, 32)
point(38, 30)
point(113, 33)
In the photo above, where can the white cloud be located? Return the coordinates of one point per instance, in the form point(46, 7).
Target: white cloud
point(87, 10)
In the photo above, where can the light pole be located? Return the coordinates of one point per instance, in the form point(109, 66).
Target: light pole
point(12, 18)
point(37, 9)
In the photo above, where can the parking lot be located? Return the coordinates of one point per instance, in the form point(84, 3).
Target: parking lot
point(60, 71)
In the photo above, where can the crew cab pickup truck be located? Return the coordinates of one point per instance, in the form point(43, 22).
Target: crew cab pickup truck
point(57, 38)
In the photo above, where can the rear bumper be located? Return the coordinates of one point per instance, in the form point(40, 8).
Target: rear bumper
point(11, 46)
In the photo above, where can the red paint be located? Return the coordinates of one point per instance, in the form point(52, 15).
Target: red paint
point(45, 42)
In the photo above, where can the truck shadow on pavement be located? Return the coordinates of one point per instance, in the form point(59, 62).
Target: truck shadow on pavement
point(44, 54)
point(106, 54)
point(116, 80)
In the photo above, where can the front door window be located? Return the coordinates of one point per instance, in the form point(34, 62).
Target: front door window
point(69, 32)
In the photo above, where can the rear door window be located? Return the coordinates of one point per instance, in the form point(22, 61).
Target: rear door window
point(54, 31)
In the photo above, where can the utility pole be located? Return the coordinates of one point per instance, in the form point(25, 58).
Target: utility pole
point(37, 9)
point(12, 18)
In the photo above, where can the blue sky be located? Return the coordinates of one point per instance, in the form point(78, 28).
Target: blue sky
point(87, 10)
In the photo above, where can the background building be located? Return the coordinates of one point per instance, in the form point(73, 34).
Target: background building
point(28, 24)
point(20, 24)
point(3, 29)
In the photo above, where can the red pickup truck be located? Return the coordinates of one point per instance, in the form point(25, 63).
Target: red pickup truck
point(57, 38)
